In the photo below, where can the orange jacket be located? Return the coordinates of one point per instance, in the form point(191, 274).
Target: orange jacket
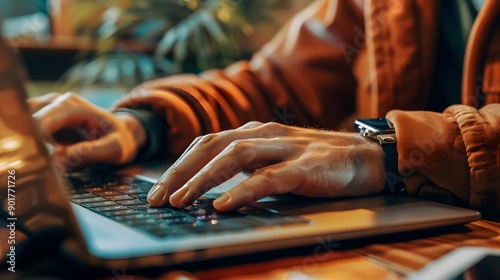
point(340, 59)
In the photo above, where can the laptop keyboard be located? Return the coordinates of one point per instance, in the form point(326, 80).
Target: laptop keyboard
point(124, 199)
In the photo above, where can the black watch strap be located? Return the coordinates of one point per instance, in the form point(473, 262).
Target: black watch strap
point(393, 180)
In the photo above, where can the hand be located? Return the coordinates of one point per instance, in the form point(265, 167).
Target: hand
point(282, 159)
point(102, 136)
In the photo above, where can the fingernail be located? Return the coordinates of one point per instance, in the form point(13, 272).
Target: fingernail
point(156, 193)
point(223, 199)
point(178, 195)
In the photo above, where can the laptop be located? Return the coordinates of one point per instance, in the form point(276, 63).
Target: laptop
point(110, 224)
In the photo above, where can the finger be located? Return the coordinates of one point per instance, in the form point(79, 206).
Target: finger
point(274, 179)
point(37, 103)
point(69, 110)
point(111, 149)
point(249, 125)
point(240, 155)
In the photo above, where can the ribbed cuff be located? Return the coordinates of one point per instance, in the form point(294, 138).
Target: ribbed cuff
point(155, 128)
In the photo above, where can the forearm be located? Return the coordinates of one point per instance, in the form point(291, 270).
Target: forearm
point(456, 150)
point(295, 78)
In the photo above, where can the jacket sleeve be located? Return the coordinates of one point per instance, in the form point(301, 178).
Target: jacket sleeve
point(456, 151)
point(302, 76)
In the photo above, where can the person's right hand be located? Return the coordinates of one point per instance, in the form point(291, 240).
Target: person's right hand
point(103, 136)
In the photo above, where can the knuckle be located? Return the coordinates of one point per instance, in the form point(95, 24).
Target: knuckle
point(205, 139)
point(238, 146)
point(71, 95)
point(272, 125)
point(252, 124)
point(268, 173)
point(72, 98)
point(197, 139)
point(273, 128)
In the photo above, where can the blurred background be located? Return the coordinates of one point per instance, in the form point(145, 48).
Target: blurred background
point(103, 48)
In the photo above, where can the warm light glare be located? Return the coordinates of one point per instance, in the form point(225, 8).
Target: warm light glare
point(9, 144)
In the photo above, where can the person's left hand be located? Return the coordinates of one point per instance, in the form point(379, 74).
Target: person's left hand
point(83, 134)
point(282, 159)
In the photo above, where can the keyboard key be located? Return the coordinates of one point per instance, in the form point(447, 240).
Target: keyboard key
point(95, 189)
point(218, 216)
point(120, 188)
point(118, 197)
point(134, 191)
point(123, 212)
point(135, 216)
point(199, 212)
point(82, 195)
point(139, 195)
point(156, 210)
point(140, 207)
point(178, 220)
point(87, 200)
point(99, 204)
point(109, 208)
point(107, 193)
point(167, 215)
point(130, 202)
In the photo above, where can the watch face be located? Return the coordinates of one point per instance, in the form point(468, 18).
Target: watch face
point(373, 125)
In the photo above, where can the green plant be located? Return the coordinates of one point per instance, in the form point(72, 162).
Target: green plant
point(182, 35)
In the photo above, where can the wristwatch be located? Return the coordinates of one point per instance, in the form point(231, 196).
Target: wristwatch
point(383, 132)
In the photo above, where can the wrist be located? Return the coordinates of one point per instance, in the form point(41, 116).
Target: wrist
point(382, 132)
point(151, 136)
point(375, 165)
point(135, 126)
